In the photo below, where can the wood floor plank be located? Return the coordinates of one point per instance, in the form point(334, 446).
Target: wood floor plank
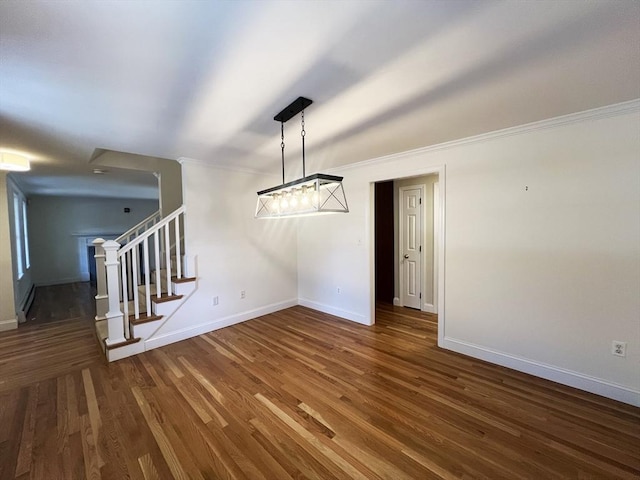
point(90, 455)
point(314, 441)
point(26, 441)
point(11, 436)
point(292, 395)
point(94, 414)
point(163, 442)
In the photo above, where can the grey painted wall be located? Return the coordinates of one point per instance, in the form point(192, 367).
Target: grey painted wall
point(61, 227)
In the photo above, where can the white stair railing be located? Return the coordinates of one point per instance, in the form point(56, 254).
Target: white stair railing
point(128, 272)
point(115, 321)
point(101, 281)
point(139, 228)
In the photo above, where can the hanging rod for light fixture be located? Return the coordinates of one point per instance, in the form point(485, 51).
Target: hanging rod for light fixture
point(310, 195)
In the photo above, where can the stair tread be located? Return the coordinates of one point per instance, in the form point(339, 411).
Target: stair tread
point(183, 279)
point(166, 298)
point(174, 278)
point(143, 319)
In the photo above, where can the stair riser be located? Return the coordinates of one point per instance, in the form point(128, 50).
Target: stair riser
point(183, 288)
point(142, 304)
point(145, 330)
point(153, 287)
point(165, 308)
point(101, 332)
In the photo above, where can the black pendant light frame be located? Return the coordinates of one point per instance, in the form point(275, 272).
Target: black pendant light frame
point(329, 194)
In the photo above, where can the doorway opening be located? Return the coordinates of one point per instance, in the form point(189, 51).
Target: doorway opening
point(407, 241)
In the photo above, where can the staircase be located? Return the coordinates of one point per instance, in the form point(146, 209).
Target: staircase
point(141, 281)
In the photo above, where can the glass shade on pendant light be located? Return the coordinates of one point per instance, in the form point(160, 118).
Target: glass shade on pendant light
point(14, 162)
point(312, 195)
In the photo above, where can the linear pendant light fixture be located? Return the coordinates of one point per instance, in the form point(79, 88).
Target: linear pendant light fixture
point(310, 195)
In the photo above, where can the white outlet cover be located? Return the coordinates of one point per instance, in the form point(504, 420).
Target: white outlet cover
point(619, 348)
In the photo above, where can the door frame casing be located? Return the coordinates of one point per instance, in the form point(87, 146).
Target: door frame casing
point(436, 246)
point(440, 170)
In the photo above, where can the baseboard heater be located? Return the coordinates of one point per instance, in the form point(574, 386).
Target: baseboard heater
point(26, 304)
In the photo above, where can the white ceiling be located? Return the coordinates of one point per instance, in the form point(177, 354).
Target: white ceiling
point(203, 79)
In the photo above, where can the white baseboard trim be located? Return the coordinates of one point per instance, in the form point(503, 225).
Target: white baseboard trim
point(195, 330)
point(429, 308)
point(10, 324)
point(338, 312)
point(563, 376)
point(125, 351)
point(396, 302)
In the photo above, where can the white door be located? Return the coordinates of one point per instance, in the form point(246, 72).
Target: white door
point(411, 245)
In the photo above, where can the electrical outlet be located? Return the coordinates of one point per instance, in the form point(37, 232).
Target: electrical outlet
point(619, 348)
point(338, 290)
point(243, 294)
point(215, 300)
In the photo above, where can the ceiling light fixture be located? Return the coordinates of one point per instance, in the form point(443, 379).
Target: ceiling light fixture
point(313, 195)
point(14, 162)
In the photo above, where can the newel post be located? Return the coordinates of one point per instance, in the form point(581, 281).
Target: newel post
point(115, 318)
point(102, 299)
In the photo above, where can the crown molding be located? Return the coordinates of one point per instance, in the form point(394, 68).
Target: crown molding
point(623, 108)
point(614, 110)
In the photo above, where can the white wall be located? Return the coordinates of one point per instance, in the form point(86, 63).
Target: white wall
point(21, 286)
point(168, 173)
point(539, 279)
point(335, 252)
point(232, 252)
point(60, 227)
point(8, 319)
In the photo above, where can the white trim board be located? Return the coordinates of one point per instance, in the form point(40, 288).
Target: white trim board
point(440, 231)
point(10, 324)
point(593, 114)
point(548, 372)
point(337, 312)
point(587, 115)
point(194, 331)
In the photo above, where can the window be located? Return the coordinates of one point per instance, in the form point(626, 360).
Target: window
point(20, 232)
point(27, 260)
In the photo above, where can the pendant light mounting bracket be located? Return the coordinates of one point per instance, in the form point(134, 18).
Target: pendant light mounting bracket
point(294, 108)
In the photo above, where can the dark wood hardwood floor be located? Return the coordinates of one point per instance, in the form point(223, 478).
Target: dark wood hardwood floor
point(296, 394)
point(58, 338)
